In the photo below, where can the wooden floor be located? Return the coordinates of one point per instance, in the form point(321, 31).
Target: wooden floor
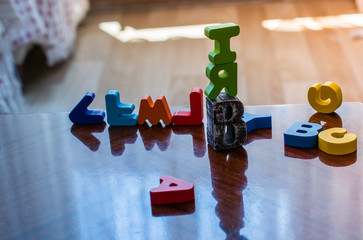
point(274, 67)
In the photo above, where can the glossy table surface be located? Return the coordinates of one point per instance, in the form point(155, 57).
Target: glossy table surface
point(63, 181)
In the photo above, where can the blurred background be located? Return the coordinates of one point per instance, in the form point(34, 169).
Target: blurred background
point(53, 51)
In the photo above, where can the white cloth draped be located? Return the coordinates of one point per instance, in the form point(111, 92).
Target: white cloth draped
point(50, 24)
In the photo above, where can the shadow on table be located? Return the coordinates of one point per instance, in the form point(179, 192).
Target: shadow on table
point(173, 209)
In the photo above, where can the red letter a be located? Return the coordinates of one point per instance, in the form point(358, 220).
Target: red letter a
point(172, 190)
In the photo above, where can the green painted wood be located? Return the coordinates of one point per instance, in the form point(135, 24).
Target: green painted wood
point(221, 76)
point(221, 34)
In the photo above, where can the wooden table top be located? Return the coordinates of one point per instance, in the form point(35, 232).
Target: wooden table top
point(59, 181)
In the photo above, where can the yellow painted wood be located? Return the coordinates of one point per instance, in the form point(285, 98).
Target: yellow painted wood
point(325, 98)
point(337, 141)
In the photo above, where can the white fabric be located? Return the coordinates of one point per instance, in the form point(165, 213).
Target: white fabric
point(49, 23)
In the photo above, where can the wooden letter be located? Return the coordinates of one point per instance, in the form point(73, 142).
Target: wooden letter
point(80, 114)
point(318, 96)
point(119, 114)
point(195, 115)
point(302, 135)
point(337, 141)
point(154, 112)
point(222, 71)
point(222, 34)
point(221, 76)
point(225, 127)
point(172, 190)
point(257, 121)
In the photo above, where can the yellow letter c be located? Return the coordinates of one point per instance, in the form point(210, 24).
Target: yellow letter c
point(337, 141)
point(325, 98)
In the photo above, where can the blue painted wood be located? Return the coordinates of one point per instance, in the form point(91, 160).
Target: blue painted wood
point(118, 113)
point(81, 115)
point(257, 121)
point(302, 135)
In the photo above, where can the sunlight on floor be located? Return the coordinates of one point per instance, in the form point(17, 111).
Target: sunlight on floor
point(129, 34)
point(314, 23)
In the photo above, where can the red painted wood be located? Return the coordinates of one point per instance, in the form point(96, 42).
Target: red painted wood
point(195, 115)
point(172, 190)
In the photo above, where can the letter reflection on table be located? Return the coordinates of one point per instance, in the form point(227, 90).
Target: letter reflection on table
point(338, 160)
point(198, 134)
point(84, 134)
point(173, 209)
point(327, 120)
point(258, 134)
point(228, 181)
point(155, 134)
point(301, 153)
point(119, 136)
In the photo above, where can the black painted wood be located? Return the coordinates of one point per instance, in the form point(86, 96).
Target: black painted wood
point(225, 127)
